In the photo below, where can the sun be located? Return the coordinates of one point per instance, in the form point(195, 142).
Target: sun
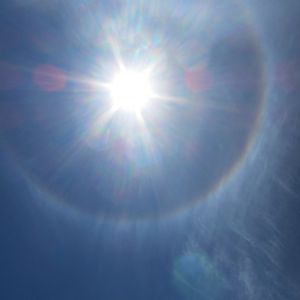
point(131, 90)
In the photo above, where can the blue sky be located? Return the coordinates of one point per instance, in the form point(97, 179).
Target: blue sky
point(192, 197)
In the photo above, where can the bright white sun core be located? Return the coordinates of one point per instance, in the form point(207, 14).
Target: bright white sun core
point(130, 90)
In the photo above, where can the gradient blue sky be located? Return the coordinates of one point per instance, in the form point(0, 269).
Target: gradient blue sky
point(200, 201)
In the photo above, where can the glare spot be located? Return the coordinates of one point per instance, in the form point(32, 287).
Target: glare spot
point(131, 90)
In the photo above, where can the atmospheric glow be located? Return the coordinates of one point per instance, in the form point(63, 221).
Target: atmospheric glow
point(131, 90)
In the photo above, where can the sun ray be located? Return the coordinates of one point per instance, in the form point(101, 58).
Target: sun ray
point(116, 53)
point(101, 123)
